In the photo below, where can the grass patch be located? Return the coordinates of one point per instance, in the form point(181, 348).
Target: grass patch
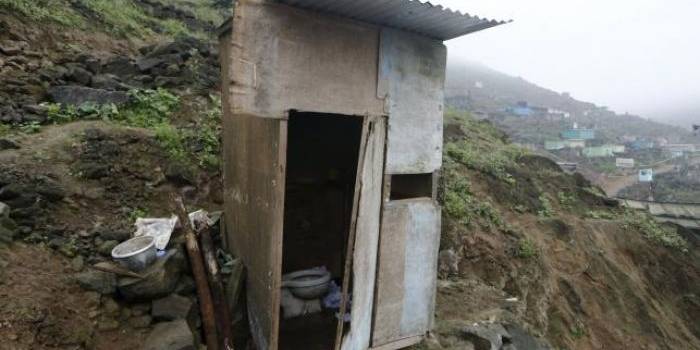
point(654, 231)
point(44, 10)
point(566, 199)
point(483, 149)
point(546, 210)
point(152, 109)
point(600, 215)
point(526, 249)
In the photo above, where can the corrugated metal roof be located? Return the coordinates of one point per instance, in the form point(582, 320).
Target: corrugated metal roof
point(416, 16)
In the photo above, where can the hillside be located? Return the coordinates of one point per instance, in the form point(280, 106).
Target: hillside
point(527, 246)
point(109, 107)
point(484, 91)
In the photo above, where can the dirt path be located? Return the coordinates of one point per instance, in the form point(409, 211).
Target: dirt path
point(612, 185)
point(42, 307)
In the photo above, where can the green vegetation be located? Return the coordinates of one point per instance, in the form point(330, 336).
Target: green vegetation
point(123, 18)
point(456, 193)
point(654, 231)
point(30, 128)
point(600, 215)
point(153, 109)
point(44, 10)
point(546, 209)
point(4, 129)
point(486, 152)
point(566, 199)
point(526, 248)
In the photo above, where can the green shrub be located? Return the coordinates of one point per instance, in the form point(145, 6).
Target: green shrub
point(4, 129)
point(600, 215)
point(172, 141)
point(149, 108)
point(30, 127)
point(526, 248)
point(546, 209)
point(654, 231)
point(566, 199)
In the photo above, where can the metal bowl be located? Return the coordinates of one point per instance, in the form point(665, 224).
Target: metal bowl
point(136, 254)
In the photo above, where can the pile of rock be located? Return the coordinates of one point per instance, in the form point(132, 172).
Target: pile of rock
point(496, 336)
point(29, 78)
point(21, 200)
point(163, 297)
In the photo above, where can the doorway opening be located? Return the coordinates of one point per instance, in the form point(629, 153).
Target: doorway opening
point(322, 161)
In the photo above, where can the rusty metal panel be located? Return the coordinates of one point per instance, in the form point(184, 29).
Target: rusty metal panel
point(412, 78)
point(254, 178)
point(367, 237)
point(407, 272)
point(286, 58)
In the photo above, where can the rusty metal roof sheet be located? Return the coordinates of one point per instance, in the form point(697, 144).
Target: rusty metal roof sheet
point(415, 16)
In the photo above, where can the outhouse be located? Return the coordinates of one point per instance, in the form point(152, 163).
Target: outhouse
point(333, 118)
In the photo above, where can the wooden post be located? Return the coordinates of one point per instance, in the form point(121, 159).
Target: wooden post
point(200, 276)
point(221, 307)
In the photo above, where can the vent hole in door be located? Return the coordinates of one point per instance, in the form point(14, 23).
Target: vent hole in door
point(411, 186)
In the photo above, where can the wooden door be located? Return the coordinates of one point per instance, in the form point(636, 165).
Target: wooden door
point(255, 182)
point(364, 237)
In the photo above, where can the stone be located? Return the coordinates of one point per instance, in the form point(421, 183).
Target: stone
point(107, 324)
point(23, 201)
point(51, 191)
point(78, 95)
point(97, 281)
point(77, 264)
point(109, 234)
point(171, 308)
point(110, 307)
point(520, 339)
point(138, 322)
point(80, 76)
point(53, 73)
point(93, 65)
point(160, 279)
point(11, 191)
point(120, 66)
point(35, 109)
point(4, 210)
point(146, 64)
point(175, 335)
point(107, 82)
point(486, 336)
point(168, 82)
point(173, 70)
point(106, 247)
point(10, 50)
point(6, 144)
point(7, 235)
point(186, 286)
point(180, 174)
point(68, 249)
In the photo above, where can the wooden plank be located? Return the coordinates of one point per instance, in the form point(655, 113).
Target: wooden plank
point(254, 178)
point(367, 237)
point(407, 275)
point(389, 296)
point(350, 249)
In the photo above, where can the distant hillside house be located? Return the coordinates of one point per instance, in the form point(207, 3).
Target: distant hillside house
point(641, 144)
point(624, 163)
point(681, 148)
point(562, 144)
point(598, 152)
point(578, 134)
point(522, 109)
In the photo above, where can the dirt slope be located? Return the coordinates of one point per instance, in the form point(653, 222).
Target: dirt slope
point(586, 274)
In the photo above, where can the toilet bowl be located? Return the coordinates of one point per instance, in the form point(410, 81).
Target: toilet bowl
point(307, 284)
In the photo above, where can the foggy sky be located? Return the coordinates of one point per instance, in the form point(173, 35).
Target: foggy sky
point(636, 56)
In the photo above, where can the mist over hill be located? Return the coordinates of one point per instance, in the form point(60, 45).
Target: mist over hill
point(486, 92)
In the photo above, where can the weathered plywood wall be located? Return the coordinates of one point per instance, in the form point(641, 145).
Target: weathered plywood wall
point(407, 272)
point(286, 58)
point(412, 78)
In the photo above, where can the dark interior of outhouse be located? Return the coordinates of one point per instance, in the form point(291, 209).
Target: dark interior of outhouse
point(322, 160)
